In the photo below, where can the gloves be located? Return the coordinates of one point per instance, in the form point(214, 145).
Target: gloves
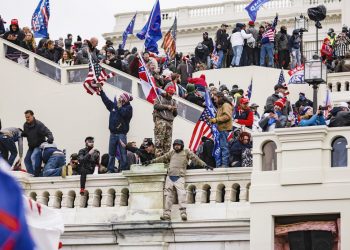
point(146, 163)
point(208, 167)
point(50, 140)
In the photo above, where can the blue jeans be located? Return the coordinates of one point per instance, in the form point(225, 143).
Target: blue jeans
point(32, 161)
point(54, 165)
point(114, 147)
point(221, 55)
point(266, 49)
point(296, 58)
point(8, 145)
point(224, 157)
point(237, 53)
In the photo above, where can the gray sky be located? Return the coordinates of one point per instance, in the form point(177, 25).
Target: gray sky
point(83, 17)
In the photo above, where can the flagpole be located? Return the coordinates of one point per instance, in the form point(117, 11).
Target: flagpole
point(148, 75)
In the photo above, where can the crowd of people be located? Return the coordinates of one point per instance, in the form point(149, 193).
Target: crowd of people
point(246, 46)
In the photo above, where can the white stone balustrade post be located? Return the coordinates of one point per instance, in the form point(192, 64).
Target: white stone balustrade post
point(213, 194)
point(233, 195)
point(52, 201)
point(64, 200)
point(106, 199)
point(64, 75)
point(90, 201)
point(243, 194)
point(146, 186)
point(198, 198)
point(117, 198)
point(42, 200)
point(228, 194)
point(78, 198)
point(31, 61)
point(2, 50)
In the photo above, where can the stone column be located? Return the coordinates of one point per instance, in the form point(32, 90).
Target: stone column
point(243, 194)
point(345, 15)
point(146, 185)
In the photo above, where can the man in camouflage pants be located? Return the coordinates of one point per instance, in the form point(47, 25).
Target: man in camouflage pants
point(178, 159)
point(165, 110)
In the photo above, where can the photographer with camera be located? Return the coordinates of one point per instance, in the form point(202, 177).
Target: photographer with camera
point(88, 158)
point(307, 117)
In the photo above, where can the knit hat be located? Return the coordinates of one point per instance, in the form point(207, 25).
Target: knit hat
point(126, 97)
point(170, 90)
point(244, 100)
point(251, 23)
point(280, 102)
point(190, 88)
point(14, 22)
point(305, 110)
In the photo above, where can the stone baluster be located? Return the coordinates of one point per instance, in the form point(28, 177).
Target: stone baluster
point(243, 194)
point(117, 198)
point(228, 192)
point(64, 201)
point(78, 198)
point(213, 194)
point(106, 199)
point(233, 195)
point(53, 200)
point(199, 193)
point(90, 199)
point(42, 199)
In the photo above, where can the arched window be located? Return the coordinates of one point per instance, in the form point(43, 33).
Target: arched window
point(339, 152)
point(269, 157)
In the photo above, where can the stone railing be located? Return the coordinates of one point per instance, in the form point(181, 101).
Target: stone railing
point(300, 155)
point(218, 13)
point(338, 84)
point(141, 188)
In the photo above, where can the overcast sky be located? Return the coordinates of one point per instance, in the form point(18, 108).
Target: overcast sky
point(84, 17)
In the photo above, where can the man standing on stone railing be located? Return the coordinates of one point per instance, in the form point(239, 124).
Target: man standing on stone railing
point(178, 159)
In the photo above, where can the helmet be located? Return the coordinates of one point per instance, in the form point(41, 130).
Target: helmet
point(179, 142)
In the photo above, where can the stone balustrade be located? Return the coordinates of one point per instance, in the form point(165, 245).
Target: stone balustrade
point(230, 185)
point(338, 84)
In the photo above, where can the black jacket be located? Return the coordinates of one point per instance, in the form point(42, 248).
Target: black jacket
point(209, 43)
point(87, 161)
point(207, 153)
point(222, 41)
point(303, 103)
point(192, 97)
point(36, 134)
point(142, 153)
point(236, 149)
point(341, 119)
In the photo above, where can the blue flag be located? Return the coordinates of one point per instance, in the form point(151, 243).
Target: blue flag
point(253, 8)
point(250, 88)
point(281, 79)
point(14, 232)
point(151, 31)
point(40, 19)
point(129, 30)
point(210, 109)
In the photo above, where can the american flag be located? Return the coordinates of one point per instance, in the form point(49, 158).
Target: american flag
point(169, 42)
point(96, 76)
point(249, 91)
point(281, 79)
point(275, 21)
point(201, 129)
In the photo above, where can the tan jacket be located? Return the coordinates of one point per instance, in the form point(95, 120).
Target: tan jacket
point(178, 161)
point(224, 117)
point(161, 111)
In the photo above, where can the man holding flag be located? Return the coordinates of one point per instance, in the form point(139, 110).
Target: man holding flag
point(151, 32)
point(223, 120)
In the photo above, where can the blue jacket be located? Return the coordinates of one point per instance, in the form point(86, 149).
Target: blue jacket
point(313, 121)
point(119, 118)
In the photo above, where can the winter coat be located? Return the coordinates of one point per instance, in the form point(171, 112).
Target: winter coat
point(222, 42)
point(192, 97)
point(161, 111)
point(36, 134)
point(270, 103)
point(87, 161)
point(119, 117)
point(236, 149)
point(282, 41)
point(19, 34)
point(294, 42)
point(244, 117)
point(205, 152)
point(342, 119)
point(326, 52)
point(238, 37)
point(315, 120)
point(82, 56)
point(185, 70)
point(142, 153)
point(224, 117)
point(266, 127)
point(209, 43)
point(201, 53)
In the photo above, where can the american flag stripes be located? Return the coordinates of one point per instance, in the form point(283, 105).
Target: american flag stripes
point(169, 42)
point(96, 76)
point(201, 129)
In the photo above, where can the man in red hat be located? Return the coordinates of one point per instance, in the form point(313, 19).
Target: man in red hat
point(274, 118)
point(165, 110)
point(244, 115)
point(14, 35)
point(252, 48)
